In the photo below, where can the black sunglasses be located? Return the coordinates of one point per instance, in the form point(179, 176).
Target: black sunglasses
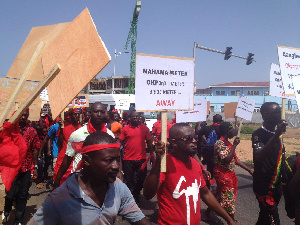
point(188, 138)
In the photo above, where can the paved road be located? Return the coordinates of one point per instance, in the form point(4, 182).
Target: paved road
point(247, 206)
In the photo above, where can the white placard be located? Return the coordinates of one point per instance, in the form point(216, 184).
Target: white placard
point(122, 104)
point(123, 101)
point(245, 108)
point(276, 86)
point(289, 62)
point(44, 95)
point(196, 115)
point(164, 83)
point(296, 82)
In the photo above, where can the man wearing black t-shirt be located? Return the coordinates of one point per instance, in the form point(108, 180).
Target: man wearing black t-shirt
point(268, 155)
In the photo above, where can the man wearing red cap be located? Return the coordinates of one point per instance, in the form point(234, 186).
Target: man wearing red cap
point(21, 184)
point(97, 122)
point(93, 195)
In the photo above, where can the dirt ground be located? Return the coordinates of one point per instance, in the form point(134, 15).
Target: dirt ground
point(291, 140)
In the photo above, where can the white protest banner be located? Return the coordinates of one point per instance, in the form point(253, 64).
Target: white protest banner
point(289, 62)
point(245, 108)
point(276, 86)
point(164, 83)
point(196, 115)
point(296, 82)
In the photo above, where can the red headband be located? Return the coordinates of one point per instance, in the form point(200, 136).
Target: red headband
point(97, 147)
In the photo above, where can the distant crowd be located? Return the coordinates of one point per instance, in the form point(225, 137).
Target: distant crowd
point(96, 163)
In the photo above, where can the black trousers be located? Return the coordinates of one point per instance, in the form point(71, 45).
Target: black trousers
point(268, 214)
point(18, 191)
point(134, 176)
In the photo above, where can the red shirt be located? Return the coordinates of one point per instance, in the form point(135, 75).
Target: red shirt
point(179, 188)
point(135, 137)
point(33, 143)
point(67, 131)
point(156, 130)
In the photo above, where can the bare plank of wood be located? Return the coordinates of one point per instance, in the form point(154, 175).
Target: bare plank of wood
point(21, 82)
point(164, 140)
point(240, 127)
point(283, 109)
point(50, 76)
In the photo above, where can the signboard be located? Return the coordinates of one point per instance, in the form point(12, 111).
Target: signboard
point(164, 83)
point(276, 86)
point(76, 46)
point(81, 101)
point(289, 62)
point(230, 110)
point(198, 114)
point(296, 82)
point(7, 87)
point(245, 108)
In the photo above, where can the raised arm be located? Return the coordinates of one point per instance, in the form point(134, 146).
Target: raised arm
point(151, 183)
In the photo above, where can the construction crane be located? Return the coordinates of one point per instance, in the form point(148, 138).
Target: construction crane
point(132, 36)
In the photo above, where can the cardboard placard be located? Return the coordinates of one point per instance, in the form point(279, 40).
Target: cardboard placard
point(245, 108)
point(123, 101)
point(76, 46)
point(230, 110)
point(289, 62)
point(164, 83)
point(198, 114)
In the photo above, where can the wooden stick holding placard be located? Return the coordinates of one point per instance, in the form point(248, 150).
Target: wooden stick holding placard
point(21, 82)
point(164, 140)
point(240, 127)
point(283, 109)
point(50, 76)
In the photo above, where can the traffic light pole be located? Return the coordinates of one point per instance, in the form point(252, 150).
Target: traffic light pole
point(214, 50)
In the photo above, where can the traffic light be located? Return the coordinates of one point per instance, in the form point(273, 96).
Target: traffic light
point(227, 53)
point(249, 58)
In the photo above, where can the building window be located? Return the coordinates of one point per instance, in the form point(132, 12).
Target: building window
point(257, 109)
point(237, 92)
point(222, 108)
point(212, 109)
point(253, 92)
point(220, 92)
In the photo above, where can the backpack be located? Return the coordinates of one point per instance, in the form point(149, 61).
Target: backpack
point(211, 140)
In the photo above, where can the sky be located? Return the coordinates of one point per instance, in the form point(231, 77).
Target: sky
point(169, 28)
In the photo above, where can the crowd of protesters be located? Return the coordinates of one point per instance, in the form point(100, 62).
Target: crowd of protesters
point(87, 155)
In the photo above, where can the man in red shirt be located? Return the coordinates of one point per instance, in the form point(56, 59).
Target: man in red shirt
point(136, 135)
point(67, 131)
point(156, 129)
point(22, 182)
point(179, 189)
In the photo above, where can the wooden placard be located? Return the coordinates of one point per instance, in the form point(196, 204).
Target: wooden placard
point(230, 109)
point(50, 76)
point(82, 55)
point(37, 34)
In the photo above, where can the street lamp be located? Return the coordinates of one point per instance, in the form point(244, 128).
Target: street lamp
point(113, 80)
